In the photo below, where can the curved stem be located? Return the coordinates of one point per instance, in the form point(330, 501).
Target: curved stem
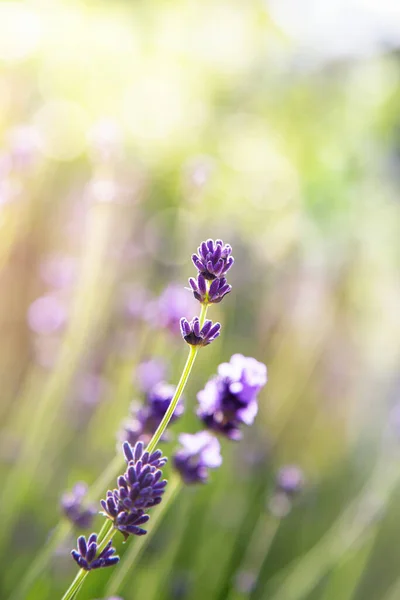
point(107, 530)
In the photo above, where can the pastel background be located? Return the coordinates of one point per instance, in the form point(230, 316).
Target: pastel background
point(130, 132)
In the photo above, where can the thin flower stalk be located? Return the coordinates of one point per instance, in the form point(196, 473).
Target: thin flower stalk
point(107, 532)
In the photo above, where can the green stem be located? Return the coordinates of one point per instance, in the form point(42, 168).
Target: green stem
point(107, 530)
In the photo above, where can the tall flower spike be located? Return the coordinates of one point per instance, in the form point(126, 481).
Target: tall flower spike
point(218, 289)
point(198, 453)
point(230, 398)
point(194, 336)
point(139, 488)
point(85, 555)
point(213, 259)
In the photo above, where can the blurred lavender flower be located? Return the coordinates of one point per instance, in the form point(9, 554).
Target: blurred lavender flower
point(290, 480)
point(46, 315)
point(218, 289)
point(86, 558)
point(174, 302)
point(139, 489)
point(25, 144)
point(150, 372)
point(58, 271)
point(213, 259)
point(193, 335)
point(288, 484)
point(72, 505)
point(230, 398)
point(146, 419)
point(199, 452)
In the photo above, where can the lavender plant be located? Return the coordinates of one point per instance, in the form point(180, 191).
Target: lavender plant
point(140, 487)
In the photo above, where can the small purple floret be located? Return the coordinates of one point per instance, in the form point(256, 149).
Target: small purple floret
point(72, 505)
point(198, 453)
point(193, 335)
point(85, 555)
point(218, 289)
point(230, 398)
point(290, 480)
point(213, 259)
point(139, 488)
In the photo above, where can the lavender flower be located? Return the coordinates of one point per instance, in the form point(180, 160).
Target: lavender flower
point(46, 315)
point(290, 480)
point(149, 373)
point(199, 452)
point(86, 558)
point(72, 505)
point(218, 289)
point(146, 419)
point(230, 398)
point(193, 335)
point(213, 259)
point(139, 488)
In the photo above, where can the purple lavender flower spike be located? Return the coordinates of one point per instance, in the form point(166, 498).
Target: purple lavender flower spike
point(198, 453)
point(193, 335)
point(145, 419)
point(218, 289)
point(213, 259)
point(290, 480)
point(85, 555)
point(139, 488)
point(72, 506)
point(230, 398)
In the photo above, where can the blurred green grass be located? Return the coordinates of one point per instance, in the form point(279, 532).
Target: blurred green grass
point(156, 126)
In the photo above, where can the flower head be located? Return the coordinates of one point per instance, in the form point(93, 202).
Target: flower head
point(139, 488)
point(230, 398)
point(145, 419)
point(213, 259)
point(217, 290)
point(198, 453)
point(86, 557)
point(193, 335)
point(72, 505)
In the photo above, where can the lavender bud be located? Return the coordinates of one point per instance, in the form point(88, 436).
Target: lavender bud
point(86, 557)
point(290, 480)
point(218, 289)
point(193, 335)
point(139, 488)
point(213, 259)
point(230, 398)
point(72, 506)
point(199, 452)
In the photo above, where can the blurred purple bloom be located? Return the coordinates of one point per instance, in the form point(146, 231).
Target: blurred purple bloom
point(199, 452)
point(149, 373)
point(174, 302)
point(58, 271)
point(25, 144)
point(46, 315)
point(213, 259)
point(139, 489)
point(193, 335)
point(218, 289)
point(230, 398)
point(146, 419)
point(72, 505)
point(290, 480)
point(86, 558)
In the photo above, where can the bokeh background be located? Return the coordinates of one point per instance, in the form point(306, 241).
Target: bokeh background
point(131, 131)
